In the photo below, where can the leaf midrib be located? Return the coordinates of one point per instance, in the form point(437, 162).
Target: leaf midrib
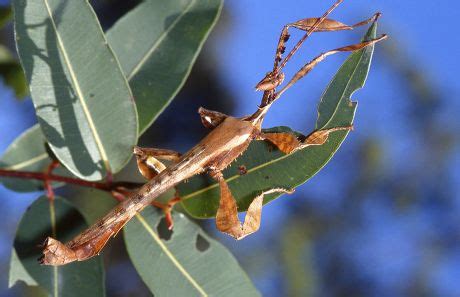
point(142, 61)
point(53, 233)
point(154, 47)
point(26, 163)
point(168, 253)
point(79, 92)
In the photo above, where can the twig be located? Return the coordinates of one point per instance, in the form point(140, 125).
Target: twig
point(47, 181)
point(68, 180)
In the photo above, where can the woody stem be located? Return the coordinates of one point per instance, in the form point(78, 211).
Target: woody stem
point(68, 180)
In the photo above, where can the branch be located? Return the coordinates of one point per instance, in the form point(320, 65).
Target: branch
point(68, 180)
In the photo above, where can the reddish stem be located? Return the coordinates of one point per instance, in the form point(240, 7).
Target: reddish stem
point(68, 180)
point(119, 190)
point(47, 181)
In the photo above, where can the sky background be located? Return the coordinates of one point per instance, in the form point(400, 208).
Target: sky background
point(383, 217)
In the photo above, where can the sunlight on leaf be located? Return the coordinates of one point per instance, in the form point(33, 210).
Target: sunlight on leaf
point(72, 85)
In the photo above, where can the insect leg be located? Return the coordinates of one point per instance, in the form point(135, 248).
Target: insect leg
point(285, 36)
point(310, 65)
point(275, 77)
point(289, 143)
point(167, 207)
point(284, 141)
point(329, 25)
point(227, 215)
point(148, 163)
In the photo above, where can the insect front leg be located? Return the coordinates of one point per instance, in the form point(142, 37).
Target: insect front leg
point(148, 163)
point(329, 25)
point(325, 25)
point(275, 77)
point(149, 166)
point(315, 61)
point(227, 215)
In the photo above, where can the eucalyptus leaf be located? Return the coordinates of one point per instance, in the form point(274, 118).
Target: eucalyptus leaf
point(82, 99)
point(27, 153)
point(42, 219)
point(267, 167)
point(157, 44)
point(188, 262)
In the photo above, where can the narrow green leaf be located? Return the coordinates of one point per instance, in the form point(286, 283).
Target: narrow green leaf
point(82, 99)
point(27, 153)
point(42, 219)
point(268, 168)
point(157, 44)
point(12, 73)
point(188, 263)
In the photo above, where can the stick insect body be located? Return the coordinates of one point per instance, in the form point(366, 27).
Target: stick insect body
point(228, 139)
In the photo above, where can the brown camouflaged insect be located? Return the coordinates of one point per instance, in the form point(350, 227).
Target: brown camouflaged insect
point(229, 138)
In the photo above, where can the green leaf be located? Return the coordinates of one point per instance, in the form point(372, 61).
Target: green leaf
point(267, 167)
point(189, 262)
point(12, 73)
point(27, 153)
point(41, 218)
point(82, 99)
point(157, 44)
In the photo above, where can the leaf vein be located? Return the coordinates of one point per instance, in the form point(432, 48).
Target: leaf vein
point(154, 47)
point(78, 90)
point(170, 255)
point(26, 163)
